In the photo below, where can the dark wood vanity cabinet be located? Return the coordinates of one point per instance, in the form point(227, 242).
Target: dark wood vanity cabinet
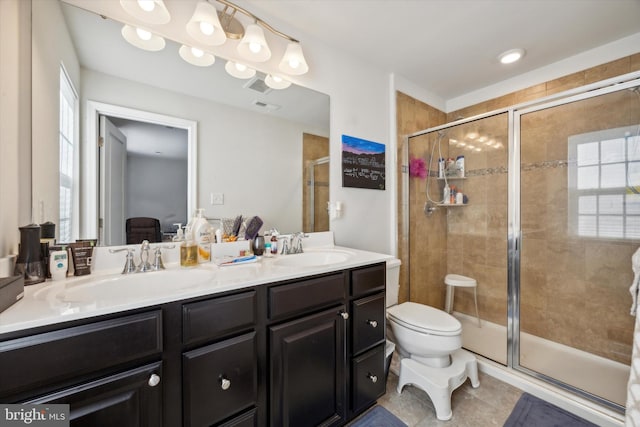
point(302, 352)
point(108, 371)
point(367, 344)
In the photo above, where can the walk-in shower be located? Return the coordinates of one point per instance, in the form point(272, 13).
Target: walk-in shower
point(552, 219)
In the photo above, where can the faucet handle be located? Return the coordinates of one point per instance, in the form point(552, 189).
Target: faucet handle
point(129, 264)
point(157, 261)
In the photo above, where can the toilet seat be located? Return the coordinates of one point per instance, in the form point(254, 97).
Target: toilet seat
point(425, 319)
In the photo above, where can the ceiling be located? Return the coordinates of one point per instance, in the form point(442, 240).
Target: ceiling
point(447, 47)
point(450, 47)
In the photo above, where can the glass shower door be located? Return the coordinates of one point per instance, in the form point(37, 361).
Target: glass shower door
point(579, 226)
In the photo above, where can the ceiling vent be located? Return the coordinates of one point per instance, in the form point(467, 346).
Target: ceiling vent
point(265, 106)
point(257, 83)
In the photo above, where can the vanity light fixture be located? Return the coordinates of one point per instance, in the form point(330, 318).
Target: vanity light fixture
point(142, 39)
point(195, 56)
point(276, 82)
point(293, 61)
point(511, 56)
point(205, 27)
point(253, 45)
point(239, 70)
point(149, 11)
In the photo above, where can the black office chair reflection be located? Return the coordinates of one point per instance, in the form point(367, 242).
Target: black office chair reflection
point(143, 228)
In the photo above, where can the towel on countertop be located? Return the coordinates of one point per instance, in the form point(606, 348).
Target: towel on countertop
point(635, 285)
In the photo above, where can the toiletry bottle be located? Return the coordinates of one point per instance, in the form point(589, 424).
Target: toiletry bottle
point(460, 166)
point(446, 194)
point(188, 251)
point(441, 167)
point(274, 243)
point(202, 232)
point(452, 195)
point(459, 198)
point(58, 262)
point(267, 249)
point(179, 237)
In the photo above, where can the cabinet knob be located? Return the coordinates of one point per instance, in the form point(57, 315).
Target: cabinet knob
point(154, 380)
point(373, 323)
point(225, 383)
point(373, 378)
point(344, 315)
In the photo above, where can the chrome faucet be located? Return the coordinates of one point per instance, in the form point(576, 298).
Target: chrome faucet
point(292, 244)
point(129, 265)
point(144, 265)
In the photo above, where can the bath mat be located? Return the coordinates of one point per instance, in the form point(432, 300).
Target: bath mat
point(378, 417)
point(533, 412)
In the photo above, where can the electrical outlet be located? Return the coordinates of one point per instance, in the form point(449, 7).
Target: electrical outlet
point(217, 199)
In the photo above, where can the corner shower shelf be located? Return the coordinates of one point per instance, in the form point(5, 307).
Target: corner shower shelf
point(449, 178)
point(452, 205)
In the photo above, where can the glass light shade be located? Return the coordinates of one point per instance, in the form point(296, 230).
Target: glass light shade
point(205, 18)
point(143, 39)
point(195, 56)
point(238, 70)
point(149, 11)
point(253, 45)
point(293, 61)
point(276, 82)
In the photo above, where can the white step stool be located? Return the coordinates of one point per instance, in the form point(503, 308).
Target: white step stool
point(455, 280)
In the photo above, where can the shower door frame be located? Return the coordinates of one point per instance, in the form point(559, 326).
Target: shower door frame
point(514, 236)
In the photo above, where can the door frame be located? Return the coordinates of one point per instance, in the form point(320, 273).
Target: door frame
point(89, 214)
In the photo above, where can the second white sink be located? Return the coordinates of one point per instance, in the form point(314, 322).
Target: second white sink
point(314, 258)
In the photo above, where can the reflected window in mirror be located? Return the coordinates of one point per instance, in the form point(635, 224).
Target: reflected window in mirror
point(69, 205)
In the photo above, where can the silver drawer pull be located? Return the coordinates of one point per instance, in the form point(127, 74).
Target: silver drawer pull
point(225, 384)
point(373, 378)
point(344, 315)
point(373, 323)
point(154, 380)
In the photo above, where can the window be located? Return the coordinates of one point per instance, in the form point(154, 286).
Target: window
point(604, 184)
point(68, 222)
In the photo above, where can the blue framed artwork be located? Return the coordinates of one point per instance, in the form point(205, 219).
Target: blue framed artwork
point(363, 164)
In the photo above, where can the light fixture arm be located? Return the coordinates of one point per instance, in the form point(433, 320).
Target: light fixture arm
point(259, 21)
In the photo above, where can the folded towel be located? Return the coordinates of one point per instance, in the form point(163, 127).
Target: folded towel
point(635, 285)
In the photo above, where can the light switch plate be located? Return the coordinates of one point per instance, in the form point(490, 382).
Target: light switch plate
point(217, 198)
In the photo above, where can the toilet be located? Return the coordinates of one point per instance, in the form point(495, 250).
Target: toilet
point(429, 343)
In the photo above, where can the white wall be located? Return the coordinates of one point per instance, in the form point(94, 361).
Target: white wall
point(253, 159)
point(15, 126)
point(52, 46)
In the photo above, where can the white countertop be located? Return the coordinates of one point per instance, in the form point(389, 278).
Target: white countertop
point(107, 291)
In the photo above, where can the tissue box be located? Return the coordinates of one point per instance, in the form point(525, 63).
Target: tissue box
point(11, 291)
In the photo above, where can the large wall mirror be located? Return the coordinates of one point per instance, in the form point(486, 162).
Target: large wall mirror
point(195, 136)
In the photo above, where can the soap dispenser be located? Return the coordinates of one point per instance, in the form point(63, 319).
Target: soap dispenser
point(188, 251)
point(179, 237)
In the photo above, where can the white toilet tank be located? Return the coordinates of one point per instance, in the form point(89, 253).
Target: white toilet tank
point(393, 281)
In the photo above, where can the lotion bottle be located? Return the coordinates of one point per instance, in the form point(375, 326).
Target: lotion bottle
point(446, 194)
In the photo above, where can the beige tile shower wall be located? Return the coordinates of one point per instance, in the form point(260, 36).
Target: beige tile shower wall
point(426, 239)
point(570, 287)
point(315, 147)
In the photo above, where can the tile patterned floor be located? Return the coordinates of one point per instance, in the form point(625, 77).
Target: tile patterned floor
point(488, 405)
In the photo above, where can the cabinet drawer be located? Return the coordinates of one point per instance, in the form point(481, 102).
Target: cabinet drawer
point(42, 360)
point(219, 380)
point(368, 322)
point(368, 378)
point(368, 279)
point(218, 317)
point(301, 296)
point(131, 398)
point(248, 419)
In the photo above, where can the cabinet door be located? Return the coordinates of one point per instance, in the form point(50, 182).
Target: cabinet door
point(368, 378)
point(220, 380)
point(307, 370)
point(130, 399)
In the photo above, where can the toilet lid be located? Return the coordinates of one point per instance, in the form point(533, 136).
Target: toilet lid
point(423, 318)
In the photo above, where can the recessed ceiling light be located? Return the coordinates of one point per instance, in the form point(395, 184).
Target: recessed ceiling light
point(511, 56)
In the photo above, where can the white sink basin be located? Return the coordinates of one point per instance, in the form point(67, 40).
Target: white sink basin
point(124, 287)
point(314, 258)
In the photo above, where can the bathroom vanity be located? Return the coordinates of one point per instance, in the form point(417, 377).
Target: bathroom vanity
point(282, 346)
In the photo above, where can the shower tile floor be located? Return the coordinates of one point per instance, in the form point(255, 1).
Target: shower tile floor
point(488, 405)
